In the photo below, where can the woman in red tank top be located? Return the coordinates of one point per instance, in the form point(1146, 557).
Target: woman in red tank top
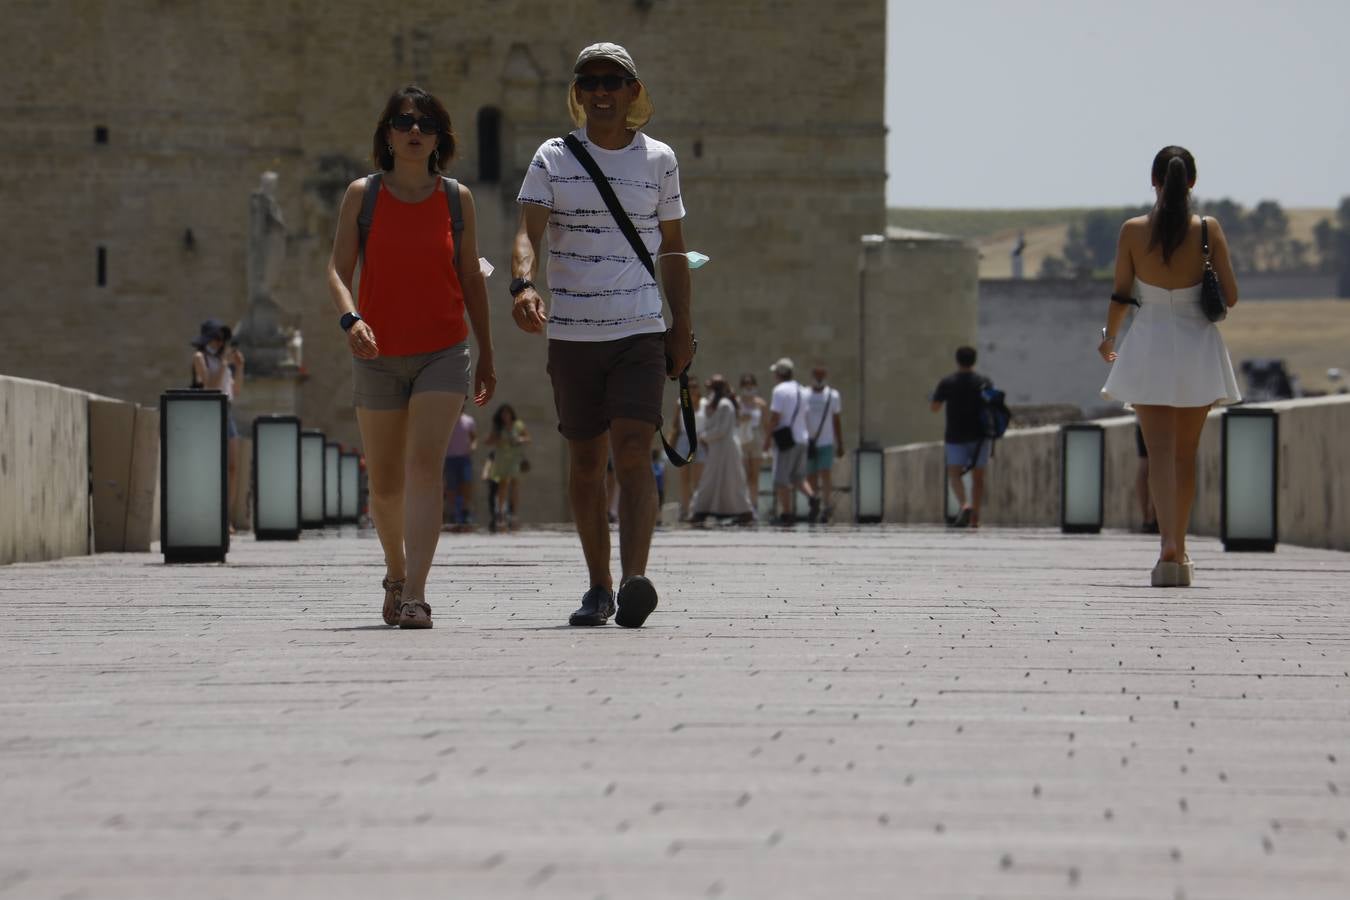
point(409, 340)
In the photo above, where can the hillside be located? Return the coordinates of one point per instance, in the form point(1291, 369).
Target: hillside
point(994, 231)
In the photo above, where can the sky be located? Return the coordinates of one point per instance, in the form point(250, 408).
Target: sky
point(1050, 103)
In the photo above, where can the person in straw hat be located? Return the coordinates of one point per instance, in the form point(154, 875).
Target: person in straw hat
point(608, 348)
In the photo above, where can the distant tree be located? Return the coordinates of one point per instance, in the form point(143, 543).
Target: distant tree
point(1054, 267)
point(1269, 229)
point(1325, 236)
point(1090, 244)
point(1233, 217)
point(1333, 245)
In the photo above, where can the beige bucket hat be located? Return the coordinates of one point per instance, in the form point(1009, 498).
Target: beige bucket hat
point(640, 113)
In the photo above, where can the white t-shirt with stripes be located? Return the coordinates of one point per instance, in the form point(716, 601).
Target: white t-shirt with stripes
point(600, 289)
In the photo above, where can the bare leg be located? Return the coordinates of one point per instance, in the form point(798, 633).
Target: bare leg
point(431, 419)
point(957, 484)
point(1159, 425)
point(1142, 494)
point(826, 492)
point(976, 495)
point(752, 478)
point(232, 481)
point(1190, 422)
point(632, 441)
point(382, 437)
point(586, 491)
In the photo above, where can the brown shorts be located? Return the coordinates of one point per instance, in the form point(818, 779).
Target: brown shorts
point(386, 382)
point(595, 382)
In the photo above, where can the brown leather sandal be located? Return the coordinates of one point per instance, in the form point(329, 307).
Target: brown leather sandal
point(393, 598)
point(414, 614)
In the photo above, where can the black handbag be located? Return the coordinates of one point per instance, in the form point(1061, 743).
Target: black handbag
point(1212, 302)
point(782, 437)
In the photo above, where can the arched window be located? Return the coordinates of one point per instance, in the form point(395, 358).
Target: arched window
point(490, 145)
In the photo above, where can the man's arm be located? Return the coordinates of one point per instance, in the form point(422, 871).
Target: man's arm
point(675, 280)
point(528, 310)
point(774, 419)
point(935, 406)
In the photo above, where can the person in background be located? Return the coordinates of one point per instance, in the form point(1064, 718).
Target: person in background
point(750, 416)
point(490, 490)
point(826, 428)
point(721, 490)
point(787, 433)
point(659, 472)
point(967, 450)
point(458, 470)
point(218, 365)
point(508, 440)
point(1148, 515)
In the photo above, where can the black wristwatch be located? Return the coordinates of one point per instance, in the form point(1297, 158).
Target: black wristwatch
point(520, 284)
point(348, 320)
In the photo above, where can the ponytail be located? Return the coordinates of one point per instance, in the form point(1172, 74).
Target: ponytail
point(1174, 171)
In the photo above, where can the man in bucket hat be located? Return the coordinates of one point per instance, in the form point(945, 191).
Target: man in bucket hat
point(608, 348)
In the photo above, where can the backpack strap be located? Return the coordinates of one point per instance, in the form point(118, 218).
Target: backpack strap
point(367, 216)
point(367, 210)
point(456, 211)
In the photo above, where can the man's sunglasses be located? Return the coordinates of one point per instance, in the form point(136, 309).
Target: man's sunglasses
point(405, 122)
point(608, 82)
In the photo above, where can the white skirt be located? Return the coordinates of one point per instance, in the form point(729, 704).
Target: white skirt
point(1172, 355)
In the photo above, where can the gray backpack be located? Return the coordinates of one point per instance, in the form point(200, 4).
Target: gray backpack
point(451, 187)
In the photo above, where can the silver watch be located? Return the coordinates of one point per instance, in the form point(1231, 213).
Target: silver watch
point(1107, 337)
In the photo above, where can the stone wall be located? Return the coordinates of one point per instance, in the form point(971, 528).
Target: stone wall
point(1024, 476)
point(781, 144)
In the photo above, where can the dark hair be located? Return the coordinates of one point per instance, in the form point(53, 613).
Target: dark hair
point(497, 423)
point(717, 389)
point(1174, 172)
point(965, 357)
point(749, 377)
point(427, 105)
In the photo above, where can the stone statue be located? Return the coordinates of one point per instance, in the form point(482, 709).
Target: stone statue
point(261, 333)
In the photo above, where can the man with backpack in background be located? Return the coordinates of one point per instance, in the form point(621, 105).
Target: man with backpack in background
point(976, 417)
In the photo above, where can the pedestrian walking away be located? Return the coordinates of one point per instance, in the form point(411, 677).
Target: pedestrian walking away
point(824, 423)
point(458, 474)
point(609, 351)
point(1172, 365)
point(966, 445)
point(786, 432)
point(414, 233)
point(508, 440)
point(750, 417)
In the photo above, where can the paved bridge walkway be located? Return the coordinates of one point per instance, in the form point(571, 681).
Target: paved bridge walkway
point(817, 713)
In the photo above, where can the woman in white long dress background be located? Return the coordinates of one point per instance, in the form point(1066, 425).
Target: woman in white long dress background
point(1172, 366)
point(721, 489)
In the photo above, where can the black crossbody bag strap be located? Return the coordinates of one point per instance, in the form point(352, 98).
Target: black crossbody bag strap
point(629, 231)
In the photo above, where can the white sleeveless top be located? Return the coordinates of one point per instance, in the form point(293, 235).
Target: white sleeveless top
point(213, 365)
point(1172, 355)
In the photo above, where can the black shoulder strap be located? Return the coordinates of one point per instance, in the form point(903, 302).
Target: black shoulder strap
point(829, 401)
point(367, 209)
point(626, 226)
point(607, 194)
point(372, 195)
point(456, 211)
point(1204, 238)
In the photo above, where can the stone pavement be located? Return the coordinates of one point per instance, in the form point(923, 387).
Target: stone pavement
point(888, 712)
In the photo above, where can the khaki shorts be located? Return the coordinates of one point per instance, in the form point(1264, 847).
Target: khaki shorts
point(387, 382)
point(595, 382)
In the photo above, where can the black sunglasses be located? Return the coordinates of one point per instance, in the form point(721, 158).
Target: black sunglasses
point(608, 82)
point(406, 121)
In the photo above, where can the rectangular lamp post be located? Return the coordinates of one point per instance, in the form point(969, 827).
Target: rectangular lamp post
point(1082, 481)
point(311, 478)
point(332, 484)
point(350, 492)
point(194, 484)
point(869, 484)
point(1249, 514)
point(276, 478)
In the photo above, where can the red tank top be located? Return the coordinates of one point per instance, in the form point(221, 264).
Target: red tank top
point(410, 294)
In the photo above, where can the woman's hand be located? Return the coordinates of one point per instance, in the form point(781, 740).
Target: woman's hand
point(484, 380)
point(1107, 349)
point(361, 340)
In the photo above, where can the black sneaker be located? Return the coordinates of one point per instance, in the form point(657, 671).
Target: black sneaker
point(813, 510)
point(962, 519)
point(637, 599)
point(597, 605)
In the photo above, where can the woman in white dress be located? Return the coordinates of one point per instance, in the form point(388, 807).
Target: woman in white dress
point(1172, 366)
point(721, 489)
point(750, 413)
